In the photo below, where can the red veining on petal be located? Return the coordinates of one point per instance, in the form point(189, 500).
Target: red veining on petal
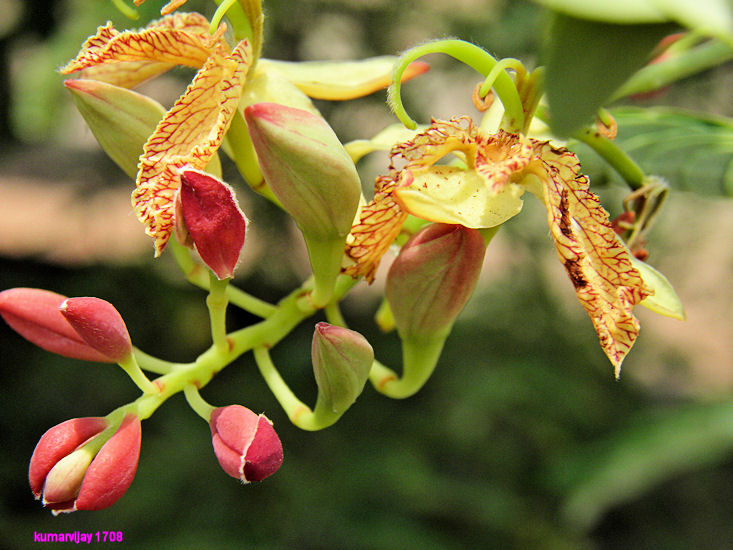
point(179, 39)
point(501, 155)
point(380, 221)
point(599, 266)
point(190, 133)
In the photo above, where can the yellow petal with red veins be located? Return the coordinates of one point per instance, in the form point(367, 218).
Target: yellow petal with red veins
point(179, 39)
point(452, 195)
point(189, 134)
point(380, 222)
point(599, 266)
point(342, 80)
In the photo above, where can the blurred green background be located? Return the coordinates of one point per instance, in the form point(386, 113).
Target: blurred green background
point(522, 438)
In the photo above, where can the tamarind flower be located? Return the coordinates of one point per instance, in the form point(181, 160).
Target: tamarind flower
point(193, 129)
point(485, 191)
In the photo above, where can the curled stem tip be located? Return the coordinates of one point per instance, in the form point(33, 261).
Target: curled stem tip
point(474, 57)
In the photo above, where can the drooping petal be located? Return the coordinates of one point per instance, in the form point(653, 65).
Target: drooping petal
point(342, 80)
point(130, 57)
point(379, 224)
point(190, 133)
point(599, 266)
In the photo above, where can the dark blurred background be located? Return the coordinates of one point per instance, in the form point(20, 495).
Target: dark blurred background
point(522, 438)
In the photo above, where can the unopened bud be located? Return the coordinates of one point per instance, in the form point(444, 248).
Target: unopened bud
point(69, 474)
point(34, 314)
point(313, 177)
point(120, 119)
point(432, 279)
point(307, 168)
point(245, 444)
point(342, 359)
point(100, 325)
point(210, 215)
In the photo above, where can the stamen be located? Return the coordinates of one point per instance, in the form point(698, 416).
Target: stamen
point(171, 6)
point(220, 13)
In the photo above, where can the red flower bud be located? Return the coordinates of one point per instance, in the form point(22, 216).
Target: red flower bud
point(212, 218)
point(99, 325)
point(34, 314)
point(432, 279)
point(67, 472)
point(245, 444)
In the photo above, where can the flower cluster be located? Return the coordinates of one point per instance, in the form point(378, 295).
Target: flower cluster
point(449, 187)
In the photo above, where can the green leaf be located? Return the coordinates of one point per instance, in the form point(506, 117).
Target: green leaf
point(630, 462)
point(712, 17)
point(587, 61)
point(692, 151)
point(609, 11)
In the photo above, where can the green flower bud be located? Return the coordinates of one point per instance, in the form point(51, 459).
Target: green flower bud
point(120, 119)
point(313, 177)
point(342, 360)
point(432, 279)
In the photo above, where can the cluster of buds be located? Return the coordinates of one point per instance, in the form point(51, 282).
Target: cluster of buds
point(88, 463)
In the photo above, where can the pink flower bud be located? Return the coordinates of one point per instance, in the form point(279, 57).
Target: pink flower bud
point(342, 359)
point(70, 476)
point(99, 325)
point(245, 444)
point(34, 314)
point(212, 218)
point(432, 278)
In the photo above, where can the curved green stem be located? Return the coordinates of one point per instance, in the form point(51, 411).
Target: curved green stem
point(126, 10)
point(152, 364)
point(198, 275)
point(419, 359)
point(333, 314)
point(608, 151)
point(474, 57)
point(613, 155)
point(197, 403)
point(131, 367)
point(288, 313)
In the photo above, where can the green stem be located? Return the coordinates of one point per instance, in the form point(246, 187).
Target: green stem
point(325, 258)
point(152, 364)
point(217, 302)
point(300, 414)
point(197, 403)
point(419, 359)
point(131, 367)
point(293, 407)
point(333, 314)
point(264, 334)
point(608, 151)
point(474, 57)
point(613, 155)
point(198, 275)
point(678, 66)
